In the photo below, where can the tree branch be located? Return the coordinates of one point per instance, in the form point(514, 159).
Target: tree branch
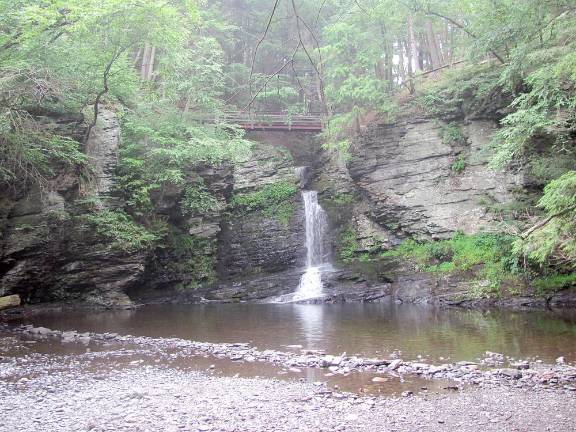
point(544, 222)
point(102, 92)
point(274, 8)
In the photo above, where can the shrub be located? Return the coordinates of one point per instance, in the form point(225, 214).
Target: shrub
point(459, 166)
point(273, 200)
point(121, 229)
point(490, 255)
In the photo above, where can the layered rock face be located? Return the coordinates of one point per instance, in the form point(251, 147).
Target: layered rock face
point(48, 253)
point(261, 251)
point(406, 172)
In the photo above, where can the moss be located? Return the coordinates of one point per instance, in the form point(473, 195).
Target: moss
point(191, 256)
point(273, 200)
point(342, 199)
point(348, 244)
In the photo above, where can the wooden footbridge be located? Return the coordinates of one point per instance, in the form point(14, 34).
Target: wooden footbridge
point(269, 121)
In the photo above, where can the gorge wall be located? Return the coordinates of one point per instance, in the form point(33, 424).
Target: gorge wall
point(420, 176)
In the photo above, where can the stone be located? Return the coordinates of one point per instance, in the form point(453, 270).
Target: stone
point(510, 373)
point(9, 301)
point(42, 331)
point(394, 364)
point(379, 379)
point(521, 365)
point(560, 360)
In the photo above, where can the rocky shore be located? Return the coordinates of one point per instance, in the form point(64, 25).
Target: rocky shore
point(71, 396)
point(494, 370)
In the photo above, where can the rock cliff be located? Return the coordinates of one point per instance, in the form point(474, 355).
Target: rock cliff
point(410, 177)
point(48, 251)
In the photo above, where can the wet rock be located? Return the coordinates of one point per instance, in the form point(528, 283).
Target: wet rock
point(42, 331)
point(510, 373)
point(521, 365)
point(379, 379)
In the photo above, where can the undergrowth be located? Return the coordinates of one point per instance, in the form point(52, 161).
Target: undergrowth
point(490, 256)
point(273, 200)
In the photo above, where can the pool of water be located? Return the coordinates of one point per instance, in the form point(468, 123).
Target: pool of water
point(365, 329)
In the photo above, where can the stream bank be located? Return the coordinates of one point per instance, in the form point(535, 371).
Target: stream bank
point(121, 390)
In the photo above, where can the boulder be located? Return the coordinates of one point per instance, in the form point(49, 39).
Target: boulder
point(9, 301)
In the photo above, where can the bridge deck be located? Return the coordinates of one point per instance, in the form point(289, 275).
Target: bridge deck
point(276, 121)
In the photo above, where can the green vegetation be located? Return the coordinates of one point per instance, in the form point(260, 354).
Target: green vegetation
point(551, 284)
point(459, 165)
point(553, 240)
point(488, 256)
point(197, 200)
point(452, 134)
point(192, 258)
point(120, 228)
point(273, 200)
point(348, 244)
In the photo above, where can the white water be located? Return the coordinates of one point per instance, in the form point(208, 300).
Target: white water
point(316, 254)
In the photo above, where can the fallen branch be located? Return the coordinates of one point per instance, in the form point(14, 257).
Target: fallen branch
point(544, 222)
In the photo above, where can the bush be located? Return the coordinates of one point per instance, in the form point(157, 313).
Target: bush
point(490, 255)
point(553, 283)
point(198, 200)
point(459, 166)
point(121, 229)
point(273, 200)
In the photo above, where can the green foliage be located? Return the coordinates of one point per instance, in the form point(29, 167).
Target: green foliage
point(54, 58)
point(547, 106)
point(342, 199)
point(161, 150)
point(459, 165)
point(192, 257)
point(554, 283)
point(273, 200)
point(490, 256)
point(555, 241)
point(348, 245)
point(198, 200)
point(27, 156)
point(452, 134)
point(470, 86)
point(121, 229)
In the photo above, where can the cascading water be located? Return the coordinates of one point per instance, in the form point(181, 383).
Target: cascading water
point(316, 254)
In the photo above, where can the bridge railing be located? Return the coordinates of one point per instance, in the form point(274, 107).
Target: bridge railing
point(273, 121)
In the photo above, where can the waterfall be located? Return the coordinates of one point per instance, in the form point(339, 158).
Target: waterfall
point(316, 253)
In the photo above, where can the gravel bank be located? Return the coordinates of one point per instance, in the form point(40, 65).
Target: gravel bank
point(153, 398)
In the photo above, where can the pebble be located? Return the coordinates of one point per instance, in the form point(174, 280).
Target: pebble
point(521, 373)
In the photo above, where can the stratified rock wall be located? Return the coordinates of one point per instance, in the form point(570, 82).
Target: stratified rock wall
point(47, 253)
point(259, 242)
point(404, 171)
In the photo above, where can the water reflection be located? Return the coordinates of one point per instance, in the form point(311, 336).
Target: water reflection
point(365, 329)
point(311, 318)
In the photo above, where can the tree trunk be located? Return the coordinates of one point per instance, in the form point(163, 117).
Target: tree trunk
point(411, 88)
point(413, 48)
point(150, 71)
point(144, 66)
point(401, 65)
point(433, 48)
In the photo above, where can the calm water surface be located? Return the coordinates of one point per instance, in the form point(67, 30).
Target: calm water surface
point(365, 329)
